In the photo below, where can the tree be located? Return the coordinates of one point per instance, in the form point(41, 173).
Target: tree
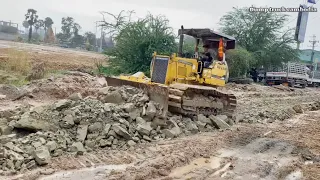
point(25, 24)
point(70, 32)
point(136, 42)
point(262, 34)
point(67, 25)
point(32, 18)
point(239, 61)
point(49, 36)
point(91, 38)
point(38, 25)
point(48, 23)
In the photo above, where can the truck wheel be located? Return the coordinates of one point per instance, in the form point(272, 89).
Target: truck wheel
point(314, 85)
point(291, 84)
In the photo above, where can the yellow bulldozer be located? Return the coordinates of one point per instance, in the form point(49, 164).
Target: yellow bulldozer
point(187, 85)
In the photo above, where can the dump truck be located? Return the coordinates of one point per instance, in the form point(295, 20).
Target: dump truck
point(187, 85)
point(314, 79)
point(291, 73)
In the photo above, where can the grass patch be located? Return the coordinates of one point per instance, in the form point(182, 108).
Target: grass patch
point(18, 62)
point(18, 68)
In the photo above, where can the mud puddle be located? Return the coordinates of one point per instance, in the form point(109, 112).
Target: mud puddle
point(263, 158)
point(94, 173)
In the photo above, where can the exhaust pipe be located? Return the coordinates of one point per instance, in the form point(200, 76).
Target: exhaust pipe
point(181, 42)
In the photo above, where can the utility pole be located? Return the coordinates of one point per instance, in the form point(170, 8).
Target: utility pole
point(101, 38)
point(96, 35)
point(313, 42)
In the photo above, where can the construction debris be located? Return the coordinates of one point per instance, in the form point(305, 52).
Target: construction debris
point(118, 118)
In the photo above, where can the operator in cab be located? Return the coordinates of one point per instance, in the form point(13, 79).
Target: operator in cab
point(208, 56)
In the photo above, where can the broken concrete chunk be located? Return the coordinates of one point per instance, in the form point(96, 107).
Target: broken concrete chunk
point(192, 127)
point(29, 123)
point(113, 97)
point(62, 104)
point(129, 107)
point(6, 138)
point(135, 113)
point(131, 143)
point(108, 107)
point(42, 140)
point(204, 119)
point(95, 127)
point(75, 97)
point(104, 91)
point(201, 126)
point(6, 130)
point(36, 144)
point(42, 155)
point(3, 153)
point(82, 132)
point(15, 156)
point(135, 139)
point(124, 122)
point(52, 145)
point(121, 131)
point(47, 171)
point(104, 143)
point(67, 122)
point(147, 138)
point(151, 110)
point(30, 165)
point(140, 120)
point(168, 133)
point(298, 109)
point(106, 129)
point(219, 122)
point(177, 131)
point(158, 121)
point(12, 147)
point(2, 96)
point(90, 143)
point(78, 148)
point(144, 129)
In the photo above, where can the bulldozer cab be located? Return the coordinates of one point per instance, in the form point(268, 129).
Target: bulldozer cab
point(208, 37)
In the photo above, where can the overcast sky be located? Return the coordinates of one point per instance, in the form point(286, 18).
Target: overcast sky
point(190, 13)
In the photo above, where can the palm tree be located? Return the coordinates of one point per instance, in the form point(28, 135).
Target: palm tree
point(47, 23)
point(38, 25)
point(32, 18)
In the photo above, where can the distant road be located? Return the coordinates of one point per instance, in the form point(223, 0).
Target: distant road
point(46, 49)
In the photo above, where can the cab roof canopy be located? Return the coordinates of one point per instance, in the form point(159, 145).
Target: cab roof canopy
point(209, 37)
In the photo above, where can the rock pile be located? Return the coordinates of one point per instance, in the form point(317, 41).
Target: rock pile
point(118, 118)
point(280, 114)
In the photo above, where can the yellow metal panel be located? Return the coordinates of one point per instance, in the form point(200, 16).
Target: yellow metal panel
point(182, 71)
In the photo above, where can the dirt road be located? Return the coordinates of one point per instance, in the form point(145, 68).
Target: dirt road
point(277, 151)
point(275, 137)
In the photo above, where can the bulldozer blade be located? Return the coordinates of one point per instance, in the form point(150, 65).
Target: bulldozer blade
point(156, 92)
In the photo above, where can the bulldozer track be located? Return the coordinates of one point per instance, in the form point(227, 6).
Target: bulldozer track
point(222, 103)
